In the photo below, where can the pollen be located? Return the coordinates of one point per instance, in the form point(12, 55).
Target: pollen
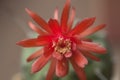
point(63, 46)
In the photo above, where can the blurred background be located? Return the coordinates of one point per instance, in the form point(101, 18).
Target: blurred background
point(13, 27)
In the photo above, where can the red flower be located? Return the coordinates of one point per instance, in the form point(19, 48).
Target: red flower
point(62, 43)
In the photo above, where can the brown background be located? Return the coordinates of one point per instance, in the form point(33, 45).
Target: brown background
point(13, 27)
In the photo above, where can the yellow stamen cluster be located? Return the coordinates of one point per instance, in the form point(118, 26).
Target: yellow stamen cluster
point(63, 46)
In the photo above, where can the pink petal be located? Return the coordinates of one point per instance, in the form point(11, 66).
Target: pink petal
point(79, 59)
point(51, 70)
point(36, 29)
point(39, 20)
point(91, 56)
point(68, 54)
point(82, 26)
point(54, 25)
point(56, 14)
point(71, 20)
point(91, 31)
point(74, 47)
point(65, 15)
point(62, 68)
point(93, 47)
point(80, 71)
point(39, 63)
point(57, 55)
point(35, 55)
point(31, 43)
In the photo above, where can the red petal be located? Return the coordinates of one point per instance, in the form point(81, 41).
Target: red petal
point(71, 20)
point(48, 50)
point(39, 20)
point(51, 70)
point(54, 26)
point(57, 55)
point(86, 39)
point(91, 31)
point(91, 56)
point(93, 47)
point(75, 40)
point(35, 55)
point(80, 71)
point(65, 15)
point(31, 43)
point(79, 59)
point(56, 14)
point(36, 29)
point(62, 68)
point(39, 63)
point(74, 46)
point(79, 28)
point(45, 39)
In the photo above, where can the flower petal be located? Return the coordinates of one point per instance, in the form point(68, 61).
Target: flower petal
point(91, 31)
point(39, 63)
point(56, 14)
point(71, 20)
point(51, 70)
point(48, 50)
point(80, 71)
point(74, 47)
point(79, 59)
point(45, 39)
point(75, 40)
point(87, 39)
point(57, 55)
point(54, 25)
point(36, 29)
point(31, 43)
point(39, 20)
point(93, 47)
point(68, 54)
point(79, 28)
point(90, 55)
point(62, 68)
point(35, 55)
point(65, 15)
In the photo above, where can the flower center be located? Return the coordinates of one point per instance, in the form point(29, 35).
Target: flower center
point(62, 46)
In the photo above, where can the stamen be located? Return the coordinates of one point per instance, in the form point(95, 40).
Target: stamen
point(62, 46)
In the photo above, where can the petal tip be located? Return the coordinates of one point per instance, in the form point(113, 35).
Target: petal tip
point(19, 43)
point(73, 8)
point(93, 18)
point(30, 24)
point(28, 11)
point(104, 51)
point(34, 70)
point(28, 60)
point(56, 13)
point(104, 25)
point(68, 1)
